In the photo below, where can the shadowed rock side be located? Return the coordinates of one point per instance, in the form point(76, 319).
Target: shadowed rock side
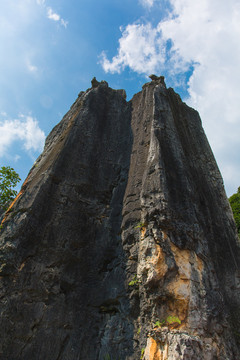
point(121, 243)
point(63, 267)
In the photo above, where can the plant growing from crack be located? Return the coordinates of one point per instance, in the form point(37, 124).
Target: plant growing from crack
point(159, 323)
point(134, 281)
point(168, 321)
point(142, 353)
point(140, 225)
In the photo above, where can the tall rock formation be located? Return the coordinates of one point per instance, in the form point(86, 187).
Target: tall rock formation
point(121, 243)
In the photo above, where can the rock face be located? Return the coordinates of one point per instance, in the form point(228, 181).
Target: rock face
point(121, 243)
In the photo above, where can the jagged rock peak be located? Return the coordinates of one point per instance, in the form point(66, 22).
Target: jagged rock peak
point(96, 83)
point(121, 242)
point(158, 79)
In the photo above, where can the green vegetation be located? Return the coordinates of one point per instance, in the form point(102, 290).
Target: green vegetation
point(142, 353)
point(173, 319)
point(140, 225)
point(8, 180)
point(159, 323)
point(134, 281)
point(109, 357)
point(169, 321)
point(235, 204)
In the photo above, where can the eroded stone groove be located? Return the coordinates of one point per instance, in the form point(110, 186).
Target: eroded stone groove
point(121, 243)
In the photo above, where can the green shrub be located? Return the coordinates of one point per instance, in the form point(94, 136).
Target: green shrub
point(235, 205)
point(8, 180)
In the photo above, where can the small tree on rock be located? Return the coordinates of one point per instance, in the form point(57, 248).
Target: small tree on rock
point(235, 204)
point(8, 181)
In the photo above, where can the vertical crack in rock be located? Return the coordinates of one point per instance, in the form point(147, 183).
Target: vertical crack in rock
point(121, 243)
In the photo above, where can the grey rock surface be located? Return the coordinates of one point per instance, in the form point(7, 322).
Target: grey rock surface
point(121, 224)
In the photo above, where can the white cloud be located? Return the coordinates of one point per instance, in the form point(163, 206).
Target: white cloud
point(138, 49)
point(52, 15)
point(64, 23)
point(56, 17)
point(17, 157)
point(144, 49)
point(31, 68)
point(147, 3)
point(204, 34)
point(24, 129)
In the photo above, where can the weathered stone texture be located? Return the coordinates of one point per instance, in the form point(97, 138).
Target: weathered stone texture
point(122, 222)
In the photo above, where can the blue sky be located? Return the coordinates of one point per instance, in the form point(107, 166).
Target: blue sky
point(51, 49)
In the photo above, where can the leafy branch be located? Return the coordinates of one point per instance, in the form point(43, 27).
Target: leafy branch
point(8, 180)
